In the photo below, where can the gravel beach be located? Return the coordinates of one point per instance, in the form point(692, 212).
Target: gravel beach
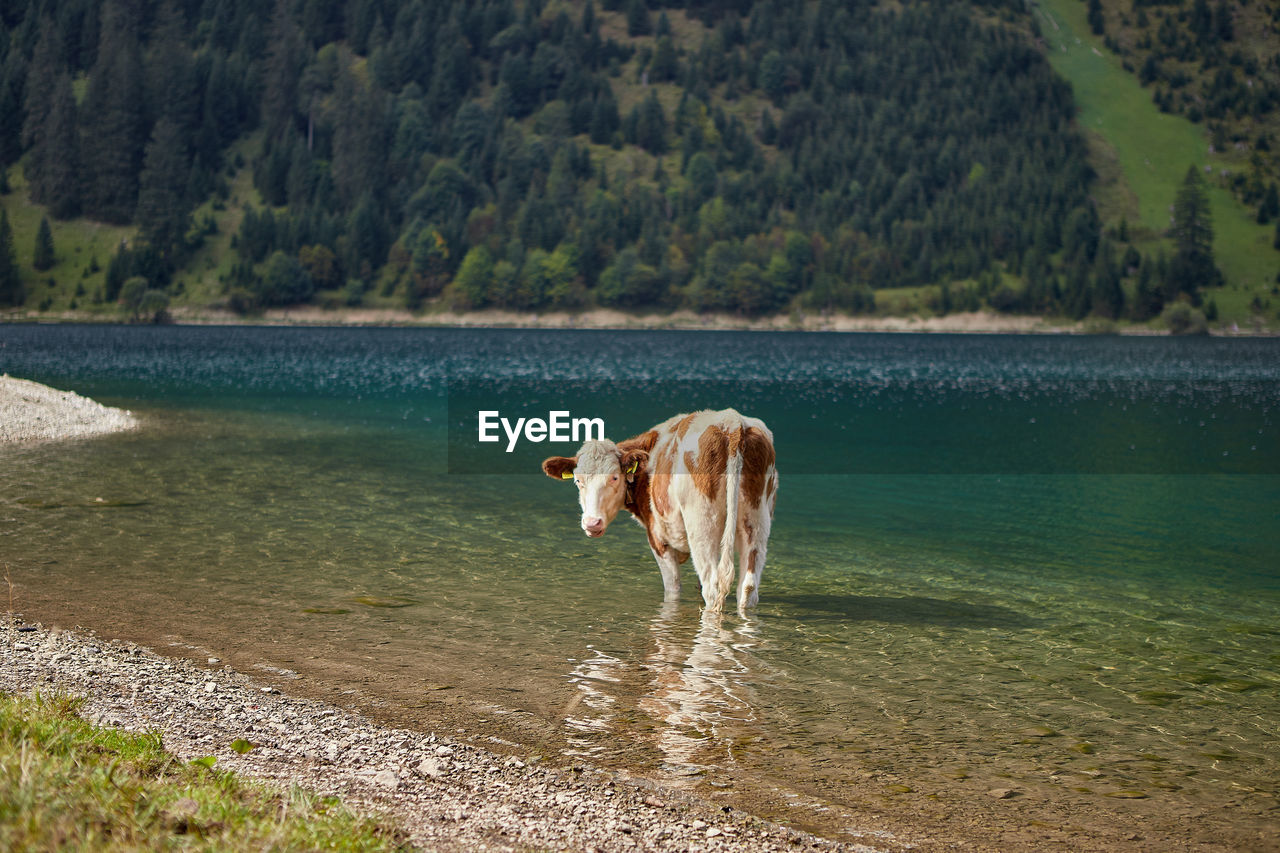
point(31, 412)
point(447, 795)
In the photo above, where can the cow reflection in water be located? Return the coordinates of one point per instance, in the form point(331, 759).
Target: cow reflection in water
point(691, 691)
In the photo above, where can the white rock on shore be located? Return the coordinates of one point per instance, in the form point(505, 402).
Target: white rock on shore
point(447, 794)
point(31, 412)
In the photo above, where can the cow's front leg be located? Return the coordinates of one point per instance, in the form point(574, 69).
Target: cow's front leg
point(669, 565)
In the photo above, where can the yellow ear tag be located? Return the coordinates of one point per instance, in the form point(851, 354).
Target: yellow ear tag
point(634, 466)
point(566, 475)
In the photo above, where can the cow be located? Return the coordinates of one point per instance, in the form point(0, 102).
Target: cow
point(703, 485)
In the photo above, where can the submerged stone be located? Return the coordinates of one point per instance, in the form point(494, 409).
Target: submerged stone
point(1159, 698)
point(1039, 731)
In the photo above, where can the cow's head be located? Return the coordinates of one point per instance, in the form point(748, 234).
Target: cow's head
point(601, 471)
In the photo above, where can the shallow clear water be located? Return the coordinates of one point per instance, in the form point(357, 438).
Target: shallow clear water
point(1044, 564)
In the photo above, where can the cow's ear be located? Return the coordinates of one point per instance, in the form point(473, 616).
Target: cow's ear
point(633, 462)
point(560, 467)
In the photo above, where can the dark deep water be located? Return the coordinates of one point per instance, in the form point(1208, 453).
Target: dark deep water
point(1042, 563)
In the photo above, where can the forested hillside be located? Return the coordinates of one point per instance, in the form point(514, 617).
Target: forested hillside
point(739, 156)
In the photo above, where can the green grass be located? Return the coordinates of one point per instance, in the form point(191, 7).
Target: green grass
point(76, 243)
point(203, 273)
point(71, 284)
point(1253, 39)
point(1142, 154)
point(68, 785)
point(904, 301)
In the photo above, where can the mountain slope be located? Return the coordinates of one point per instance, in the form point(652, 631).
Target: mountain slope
point(738, 156)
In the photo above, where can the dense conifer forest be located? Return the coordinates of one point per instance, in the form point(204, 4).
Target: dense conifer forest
point(727, 155)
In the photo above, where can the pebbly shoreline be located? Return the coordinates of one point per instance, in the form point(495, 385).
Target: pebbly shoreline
point(31, 412)
point(447, 795)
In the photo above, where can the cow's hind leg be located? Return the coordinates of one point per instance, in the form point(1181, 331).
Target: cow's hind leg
point(753, 545)
point(706, 561)
point(752, 568)
point(669, 565)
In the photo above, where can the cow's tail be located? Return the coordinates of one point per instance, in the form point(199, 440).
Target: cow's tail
point(729, 539)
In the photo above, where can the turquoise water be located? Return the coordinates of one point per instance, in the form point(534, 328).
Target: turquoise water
point(1040, 564)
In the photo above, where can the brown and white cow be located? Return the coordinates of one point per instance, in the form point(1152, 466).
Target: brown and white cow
point(702, 485)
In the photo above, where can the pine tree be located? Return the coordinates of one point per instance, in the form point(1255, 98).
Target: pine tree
point(282, 72)
point(42, 259)
point(1078, 296)
point(11, 108)
point(474, 277)
point(114, 118)
point(605, 120)
point(1107, 299)
point(1202, 20)
point(664, 65)
point(61, 152)
point(221, 115)
point(360, 141)
point(162, 208)
point(1270, 207)
point(171, 80)
point(1223, 26)
point(11, 290)
point(1148, 300)
point(41, 81)
point(651, 125)
point(638, 18)
point(1192, 266)
point(1096, 22)
point(367, 238)
point(768, 130)
point(773, 75)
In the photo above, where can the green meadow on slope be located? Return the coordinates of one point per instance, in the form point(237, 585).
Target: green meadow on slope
point(1143, 153)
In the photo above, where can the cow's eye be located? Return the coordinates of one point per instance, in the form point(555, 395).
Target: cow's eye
point(615, 478)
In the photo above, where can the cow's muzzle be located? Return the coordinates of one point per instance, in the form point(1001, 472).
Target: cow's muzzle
point(594, 527)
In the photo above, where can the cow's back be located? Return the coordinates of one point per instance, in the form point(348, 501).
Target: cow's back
point(689, 461)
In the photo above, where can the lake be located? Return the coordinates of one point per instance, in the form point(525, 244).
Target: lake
point(1013, 581)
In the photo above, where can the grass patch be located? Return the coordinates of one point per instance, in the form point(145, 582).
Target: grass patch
point(83, 248)
point(77, 244)
point(205, 270)
point(904, 301)
point(66, 784)
point(1152, 151)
